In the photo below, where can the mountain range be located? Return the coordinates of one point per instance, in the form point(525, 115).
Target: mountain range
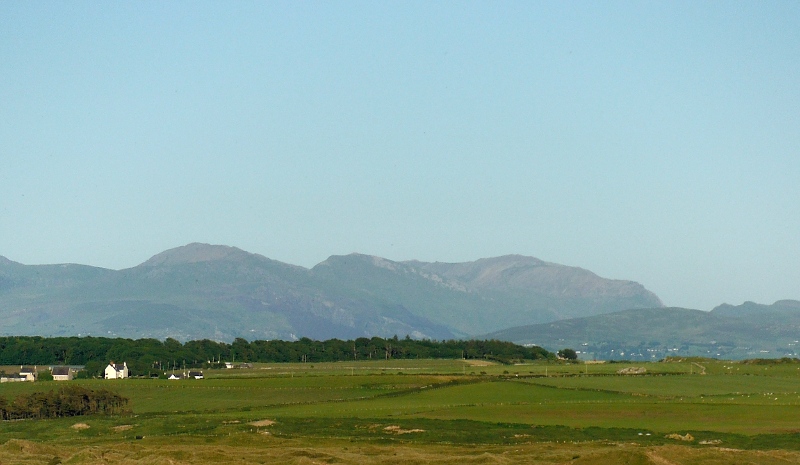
point(749, 330)
point(219, 292)
point(202, 291)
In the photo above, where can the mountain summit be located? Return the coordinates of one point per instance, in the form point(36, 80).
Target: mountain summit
point(197, 252)
point(528, 274)
point(219, 292)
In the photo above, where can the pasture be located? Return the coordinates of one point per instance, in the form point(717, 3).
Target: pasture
point(433, 411)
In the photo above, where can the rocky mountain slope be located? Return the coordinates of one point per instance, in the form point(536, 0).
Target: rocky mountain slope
point(486, 294)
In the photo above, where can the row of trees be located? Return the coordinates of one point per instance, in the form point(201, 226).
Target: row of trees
point(68, 401)
point(151, 355)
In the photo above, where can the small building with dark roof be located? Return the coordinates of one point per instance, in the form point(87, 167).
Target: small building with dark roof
point(62, 373)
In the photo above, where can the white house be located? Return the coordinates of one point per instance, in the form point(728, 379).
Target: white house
point(116, 371)
point(29, 373)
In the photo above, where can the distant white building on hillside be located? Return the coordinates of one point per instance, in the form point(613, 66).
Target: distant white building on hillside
point(29, 373)
point(116, 371)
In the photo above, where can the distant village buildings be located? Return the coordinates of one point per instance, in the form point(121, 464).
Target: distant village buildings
point(68, 373)
point(25, 374)
point(185, 375)
point(231, 365)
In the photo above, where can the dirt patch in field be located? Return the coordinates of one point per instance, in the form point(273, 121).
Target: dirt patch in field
point(686, 437)
point(479, 363)
point(121, 428)
point(262, 423)
point(394, 429)
point(711, 442)
point(80, 426)
point(632, 371)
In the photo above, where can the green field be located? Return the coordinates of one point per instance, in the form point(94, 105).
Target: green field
point(432, 411)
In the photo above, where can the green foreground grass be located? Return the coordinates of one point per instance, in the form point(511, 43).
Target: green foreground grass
point(433, 411)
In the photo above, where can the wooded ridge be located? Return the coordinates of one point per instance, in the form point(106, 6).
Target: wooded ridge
point(147, 357)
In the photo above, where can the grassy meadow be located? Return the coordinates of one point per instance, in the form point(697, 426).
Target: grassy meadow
point(432, 411)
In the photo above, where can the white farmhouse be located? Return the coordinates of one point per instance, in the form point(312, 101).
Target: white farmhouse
point(116, 371)
point(29, 373)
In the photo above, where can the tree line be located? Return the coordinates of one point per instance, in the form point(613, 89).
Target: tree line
point(150, 356)
point(68, 401)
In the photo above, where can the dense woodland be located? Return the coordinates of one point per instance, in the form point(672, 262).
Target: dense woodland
point(69, 401)
point(149, 356)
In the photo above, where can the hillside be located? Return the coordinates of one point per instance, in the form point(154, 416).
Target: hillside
point(218, 292)
point(746, 331)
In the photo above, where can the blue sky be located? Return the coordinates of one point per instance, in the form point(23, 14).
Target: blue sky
point(652, 141)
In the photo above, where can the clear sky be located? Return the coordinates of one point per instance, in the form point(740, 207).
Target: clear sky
point(652, 141)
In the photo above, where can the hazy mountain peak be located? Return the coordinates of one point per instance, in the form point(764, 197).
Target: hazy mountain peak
point(354, 257)
point(514, 259)
point(749, 308)
point(194, 253)
point(493, 270)
point(524, 272)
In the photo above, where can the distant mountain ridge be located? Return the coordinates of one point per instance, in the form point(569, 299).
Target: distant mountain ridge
point(220, 292)
point(517, 288)
point(749, 330)
point(520, 273)
point(750, 309)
